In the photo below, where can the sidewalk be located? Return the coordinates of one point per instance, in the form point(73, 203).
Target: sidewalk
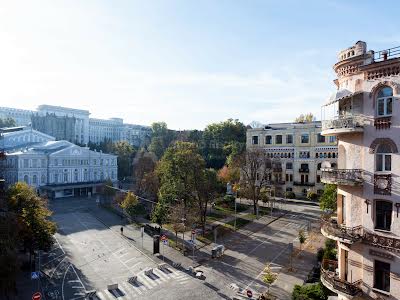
point(301, 266)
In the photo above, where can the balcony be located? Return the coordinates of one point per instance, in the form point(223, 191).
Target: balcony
point(351, 177)
point(331, 229)
point(331, 280)
point(303, 183)
point(301, 170)
point(343, 124)
point(383, 122)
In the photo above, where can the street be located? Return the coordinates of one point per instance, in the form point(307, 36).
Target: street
point(90, 254)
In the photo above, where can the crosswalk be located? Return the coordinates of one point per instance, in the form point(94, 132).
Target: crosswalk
point(144, 284)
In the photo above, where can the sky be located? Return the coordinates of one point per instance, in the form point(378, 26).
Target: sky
point(188, 63)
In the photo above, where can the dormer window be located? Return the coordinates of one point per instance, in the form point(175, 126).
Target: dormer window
point(384, 102)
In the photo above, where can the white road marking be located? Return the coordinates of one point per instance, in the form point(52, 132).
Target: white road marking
point(55, 269)
point(127, 290)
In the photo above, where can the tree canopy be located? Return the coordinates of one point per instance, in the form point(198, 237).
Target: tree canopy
point(328, 200)
point(307, 118)
point(7, 122)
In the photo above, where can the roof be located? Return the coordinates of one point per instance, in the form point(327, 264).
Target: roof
point(341, 95)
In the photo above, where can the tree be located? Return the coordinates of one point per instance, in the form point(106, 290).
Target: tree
point(302, 237)
point(7, 122)
point(307, 118)
point(125, 153)
point(162, 137)
point(160, 213)
point(36, 230)
point(329, 198)
point(255, 170)
point(129, 204)
point(314, 291)
point(107, 191)
point(229, 174)
point(221, 140)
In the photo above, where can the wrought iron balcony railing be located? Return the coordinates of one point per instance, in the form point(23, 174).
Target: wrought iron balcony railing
point(304, 170)
point(343, 124)
point(302, 183)
point(331, 229)
point(342, 176)
point(331, 280)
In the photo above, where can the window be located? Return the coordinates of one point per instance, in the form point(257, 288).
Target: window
point(56, 178)
point(34, 179)
point(289, 166)
point(305, 138)
point(43, 163)
point(76, 175)
point(384, 102)
point(26, 179)
point(320, 138)
point(43, 179)
point(383, 158)
point(34, 163)
point(332, 139)
point(304, 167)
point(289, 139)
point(382, 276)
point(318, 178)
point(85, 175)
point(288, 189)
point(383, 211)
point(26, 163)
point(254, 140)
point(278, 139)
point(319, 166)
point(65, 177)
point(289, 177)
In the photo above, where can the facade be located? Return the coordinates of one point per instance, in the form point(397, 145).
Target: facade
point(55, 168)
point(364, 114)
point(74, 125)
point(62, 128)
point(299, 153)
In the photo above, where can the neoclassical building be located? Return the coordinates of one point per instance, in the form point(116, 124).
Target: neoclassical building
point(298, 152)
point(364, 114)
point(55, 168)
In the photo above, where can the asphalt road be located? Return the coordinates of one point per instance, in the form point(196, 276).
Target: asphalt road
point(90, 254)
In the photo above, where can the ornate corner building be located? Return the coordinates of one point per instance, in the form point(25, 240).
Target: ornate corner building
point(364, 115)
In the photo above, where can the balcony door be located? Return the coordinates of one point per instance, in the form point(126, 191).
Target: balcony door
point(341, 209)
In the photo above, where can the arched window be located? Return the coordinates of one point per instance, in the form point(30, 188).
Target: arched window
point(383, 214)
point(333, 166)
point(26, 179)
point(384, 102)
point(329, 155)
point(333, 155)
point(76, 175)
point(34, 179)
point(383, 158)
point(43, 179)
point(319, 166)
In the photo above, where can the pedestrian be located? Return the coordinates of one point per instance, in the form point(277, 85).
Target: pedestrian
point(122, 230)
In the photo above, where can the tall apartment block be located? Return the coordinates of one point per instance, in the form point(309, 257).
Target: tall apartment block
point(298, 152)
point(364, 115)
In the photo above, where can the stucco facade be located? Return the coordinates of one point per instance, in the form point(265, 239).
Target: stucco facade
point(300, 150)
point(364, 114)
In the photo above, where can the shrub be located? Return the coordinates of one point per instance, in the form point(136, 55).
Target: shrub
point(229, 199)
point(312, 196)
point(309, 292)
point(290, 195)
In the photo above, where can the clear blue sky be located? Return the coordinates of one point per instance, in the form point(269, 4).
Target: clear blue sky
point(188, 63)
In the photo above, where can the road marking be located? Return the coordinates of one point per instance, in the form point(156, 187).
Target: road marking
point(55, 269)
point(62, 249)
point(138, 263)
point(127, 290)
point(131, 286)
point(52, 260)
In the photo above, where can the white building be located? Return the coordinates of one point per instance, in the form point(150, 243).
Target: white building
point(299, 151)
point(86, 129)
point(55, 168)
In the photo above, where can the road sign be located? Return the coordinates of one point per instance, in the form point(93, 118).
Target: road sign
point(193, 231)
point(249, 293)
point(163, 237)
point(165, 242)
point(37, 296)
point(35, 275)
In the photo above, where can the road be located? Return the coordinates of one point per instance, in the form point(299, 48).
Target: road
point(90, 254)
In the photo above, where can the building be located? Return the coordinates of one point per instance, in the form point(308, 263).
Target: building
point(81, 120)
point(22, 117)
point(299, 152)
point(54, 168)
point(62, 128)
point(74, 125)
point(364, 114)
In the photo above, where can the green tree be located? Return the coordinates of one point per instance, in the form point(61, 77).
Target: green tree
point(302, 237)
point(307, 118)
point(33, 216)
point(160, 213)
point(7, 122)
point(129, 204)
point(309, 292)
point(125, 153)
point(220, 140)
point(329, 198)
point(157, 146)
point(161, 139)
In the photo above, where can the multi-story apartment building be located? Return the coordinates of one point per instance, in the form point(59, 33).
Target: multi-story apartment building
point(299, 153)
point(74, 125)
point(55, 168)
point(364, 114)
